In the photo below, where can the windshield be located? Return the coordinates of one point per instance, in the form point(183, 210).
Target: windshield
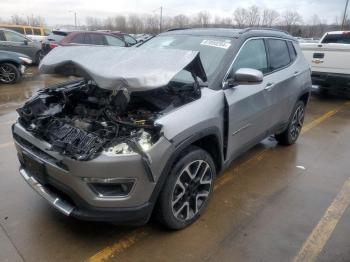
point(211, 49)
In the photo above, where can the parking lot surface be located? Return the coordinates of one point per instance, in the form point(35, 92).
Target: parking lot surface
point(273, 204)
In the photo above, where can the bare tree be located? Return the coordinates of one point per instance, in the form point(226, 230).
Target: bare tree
point(151, 24)
point(291, 18)
point(202, 19)
point(240, 17)
point(253, 16)
point(180, 21)
point(93, 23)
point(120, 23)
point(18, 20)
point(135, 23)
point(269, 17)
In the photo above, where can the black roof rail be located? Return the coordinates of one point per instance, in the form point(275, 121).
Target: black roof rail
point(245, 30)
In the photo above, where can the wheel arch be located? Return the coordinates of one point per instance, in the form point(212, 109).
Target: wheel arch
point(208, 139)
point(10, 61)
point(304, 97)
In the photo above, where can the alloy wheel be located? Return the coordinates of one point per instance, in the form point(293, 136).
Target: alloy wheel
point(191, 190)
point(7, 74)
point(297, 122)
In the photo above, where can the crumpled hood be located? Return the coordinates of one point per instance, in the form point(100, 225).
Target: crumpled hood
point(115, 68)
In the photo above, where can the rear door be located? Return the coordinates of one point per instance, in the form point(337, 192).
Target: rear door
point(283, 78)
point(248, 105)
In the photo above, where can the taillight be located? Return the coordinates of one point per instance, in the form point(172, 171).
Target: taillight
point(52, 45)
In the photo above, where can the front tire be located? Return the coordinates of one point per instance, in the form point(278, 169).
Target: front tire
point(187, 189)
point(291, 134)
point(9, 73)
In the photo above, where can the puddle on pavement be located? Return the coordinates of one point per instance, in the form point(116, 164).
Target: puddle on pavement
point(12, 96)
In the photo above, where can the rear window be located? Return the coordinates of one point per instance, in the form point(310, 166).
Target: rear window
point(343, 38)
point(278, 54)
point(55, 37)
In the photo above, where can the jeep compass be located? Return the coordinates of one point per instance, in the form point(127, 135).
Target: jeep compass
point(146, 130)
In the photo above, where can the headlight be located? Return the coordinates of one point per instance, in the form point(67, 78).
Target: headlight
point(26, 59)
point(144, 141)
point(119, 149)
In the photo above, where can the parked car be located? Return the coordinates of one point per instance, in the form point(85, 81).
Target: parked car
point(92, 38)
point(12, 66)
point(35, 33)
point(15, 42)
point(329, 61)
point(53, 39)
point(149, 128)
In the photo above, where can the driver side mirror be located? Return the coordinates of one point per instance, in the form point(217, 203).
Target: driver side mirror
point(25, 41)
point(244, 76)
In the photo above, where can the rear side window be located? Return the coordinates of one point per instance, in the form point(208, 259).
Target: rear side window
point(292, 52)
point(96, 39)
point(278, 54)
point(78, 39)
point(252, 55)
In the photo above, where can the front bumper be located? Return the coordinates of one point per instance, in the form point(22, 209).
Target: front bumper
point(129, 216)
point(66, 189)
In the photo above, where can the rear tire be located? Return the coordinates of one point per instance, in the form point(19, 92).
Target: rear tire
point(9, 73)
point(291, 134)
point(187, 189)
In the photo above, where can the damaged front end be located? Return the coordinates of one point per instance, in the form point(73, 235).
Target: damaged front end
point(106, 113)
point(80, 120)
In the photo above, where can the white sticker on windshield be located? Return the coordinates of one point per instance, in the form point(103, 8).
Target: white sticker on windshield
point(216, 43)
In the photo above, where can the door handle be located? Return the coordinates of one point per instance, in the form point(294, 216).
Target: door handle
point(269, 86)
point(296, 73)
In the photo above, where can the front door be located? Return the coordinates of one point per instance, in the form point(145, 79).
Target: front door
point(248, 104)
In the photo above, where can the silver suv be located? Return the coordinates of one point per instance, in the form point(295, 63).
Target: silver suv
point(146, 130)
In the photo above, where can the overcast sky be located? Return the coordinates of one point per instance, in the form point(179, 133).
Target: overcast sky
point(58, 11)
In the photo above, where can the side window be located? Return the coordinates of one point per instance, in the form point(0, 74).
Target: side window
point(252, 55)
point(78, 39)
point(292, 52)
point(13, 37)
point(16, 29)
point(37, 31)
point(130, 40)
point(97, 39)
point(28, 31)
point(278, 53)
point(115, 41)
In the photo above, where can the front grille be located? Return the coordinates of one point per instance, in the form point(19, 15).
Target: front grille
point(38, 152)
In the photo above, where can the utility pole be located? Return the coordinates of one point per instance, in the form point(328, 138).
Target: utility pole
point(344, 17)
point(75, 19)
point(161, 19)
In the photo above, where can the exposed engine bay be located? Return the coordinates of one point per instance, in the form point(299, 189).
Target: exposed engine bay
point(80, 120)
